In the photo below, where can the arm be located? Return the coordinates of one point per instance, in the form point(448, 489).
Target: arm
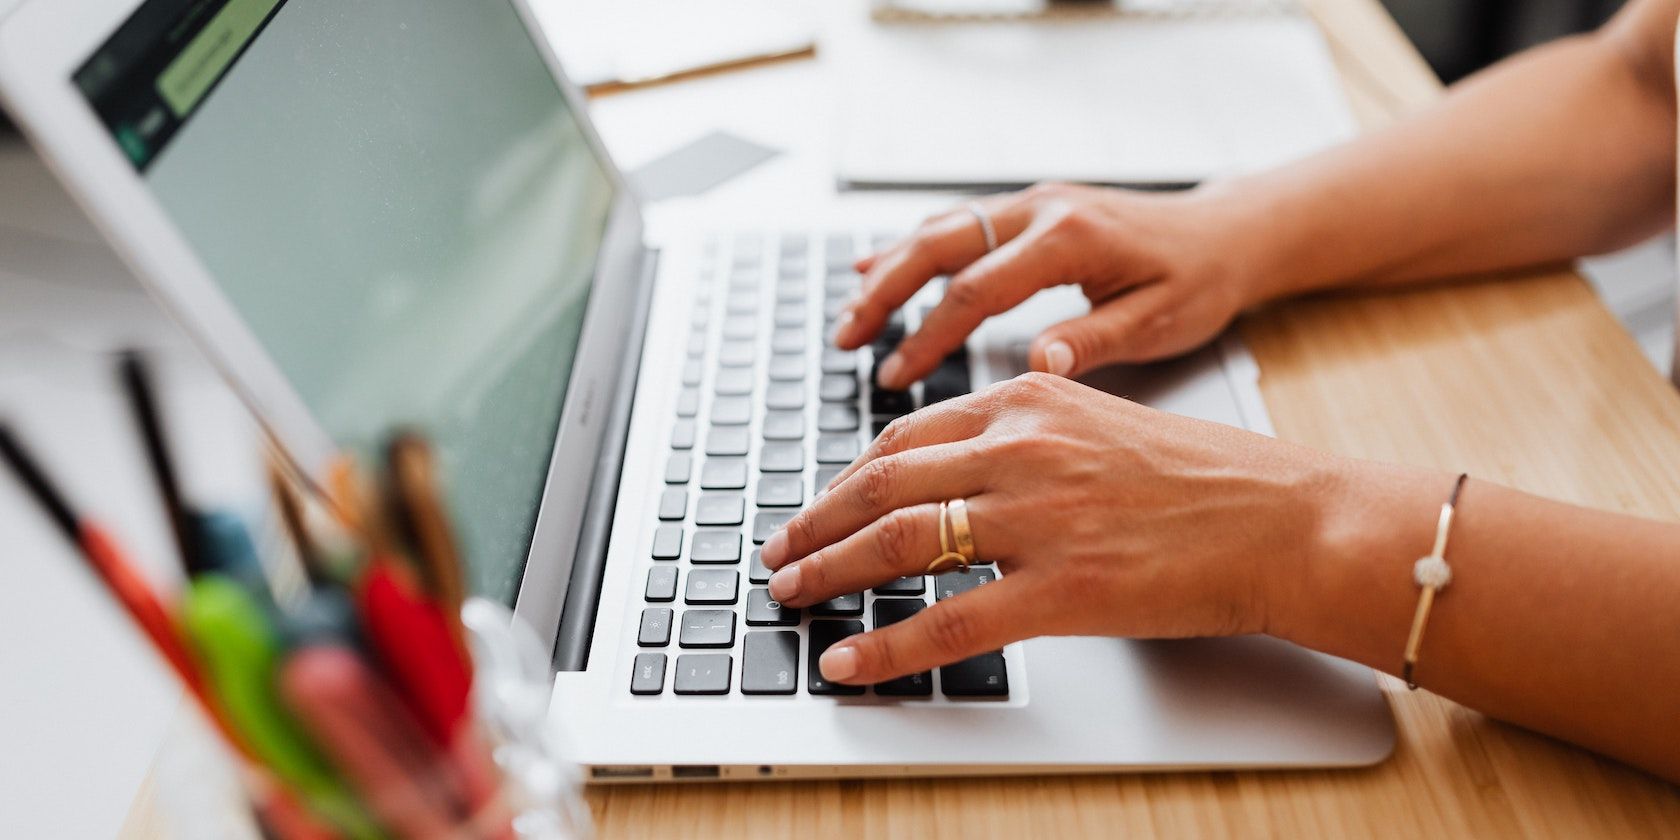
point(1112, 519)
point(1560, 152)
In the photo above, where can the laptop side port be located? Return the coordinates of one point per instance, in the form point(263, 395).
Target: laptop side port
point(694, 771)
point(621, 772)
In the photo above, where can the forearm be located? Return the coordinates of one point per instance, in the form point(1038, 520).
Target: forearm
point(1565, 151)
point(1558, 618)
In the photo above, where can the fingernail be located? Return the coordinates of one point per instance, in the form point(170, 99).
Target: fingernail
point(890, 371)
point(774, 552)
point(839, 662)
point(1058, 358)
point(843, 324)
point(784, 585)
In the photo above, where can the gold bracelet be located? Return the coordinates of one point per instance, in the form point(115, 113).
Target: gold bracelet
point(1431, 574)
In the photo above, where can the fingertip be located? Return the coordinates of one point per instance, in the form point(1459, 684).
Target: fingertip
point(839, 663)
point(892, 372)
point(1058, 358)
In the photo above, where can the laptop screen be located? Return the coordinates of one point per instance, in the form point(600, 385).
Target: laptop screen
point(397, 199)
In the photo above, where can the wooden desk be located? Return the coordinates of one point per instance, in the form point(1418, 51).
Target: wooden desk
point(1530, 382)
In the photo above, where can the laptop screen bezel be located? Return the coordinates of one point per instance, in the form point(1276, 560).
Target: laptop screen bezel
point(43, 42)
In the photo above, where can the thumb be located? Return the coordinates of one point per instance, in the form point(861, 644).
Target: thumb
point(1116, 330)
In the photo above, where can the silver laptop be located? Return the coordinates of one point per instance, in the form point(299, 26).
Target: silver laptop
point(396, 212)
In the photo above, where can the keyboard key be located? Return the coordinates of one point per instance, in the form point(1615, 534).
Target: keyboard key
point(647, 676)
point(832, 307)
point(787, 367)
point(948, 380)
point(837, 449)
point(790, 315)
point(756, 572)
point(656, 627)
point(697, 343)
point(703, 673)
point(770, 662)
point(784, 425)
point(712, 586)
point(835, 360)
point(785, 395)
point(976, 676)
point(788, 340)
point(724, 474)
point(720, 509)
point(740, 327)
point(823, 635)
point(733, 382)
point(768, 522)
point(837, 417)
point(885, 403)
point(780, 491)
point(837, 387)
point(952, 584)
point(840, 253)
point(781, 457)
point(764, 611)
point(716, 545)
point(678, 467)
point(706, 628)
point(790, 293)
point(889, 611)
point(843, 605)
point(743, 302)
point(728, 440)
point(682, 435)
point(691, 372)
point(735, 354)
point(902, 586)
point(731, 411)
point(667, 542)
point(688, 402)
point(673, 503)
point(824, 475)
point(661, 584)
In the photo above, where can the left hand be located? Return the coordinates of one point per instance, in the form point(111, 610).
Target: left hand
point(1106, 518)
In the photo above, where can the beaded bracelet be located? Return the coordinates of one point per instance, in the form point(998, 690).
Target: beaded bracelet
point(1432, 574)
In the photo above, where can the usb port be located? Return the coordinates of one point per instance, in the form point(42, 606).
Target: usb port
point(694, 771)
point(630, 772)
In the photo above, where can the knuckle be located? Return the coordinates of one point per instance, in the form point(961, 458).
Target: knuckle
point(949, 629)
point(893, 536)
point(965, 294)
point(877, 481)
point(891, 439)
point(802, 534)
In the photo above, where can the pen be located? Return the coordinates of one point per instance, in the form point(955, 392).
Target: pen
point(412, 639)
point(240, 652)
point(106, 558)
point(419, 502)
point(372, 740)
point(142, 401)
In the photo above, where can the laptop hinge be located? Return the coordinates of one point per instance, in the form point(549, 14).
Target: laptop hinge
point(583, 593)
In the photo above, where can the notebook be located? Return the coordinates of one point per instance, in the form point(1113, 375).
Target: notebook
point(1002, 93)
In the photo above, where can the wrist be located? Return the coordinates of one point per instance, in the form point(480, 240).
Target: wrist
point(1259, 234)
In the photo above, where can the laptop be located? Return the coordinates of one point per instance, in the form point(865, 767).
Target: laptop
point(397, 212)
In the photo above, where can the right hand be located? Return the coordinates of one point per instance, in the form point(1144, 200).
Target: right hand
point(1162, 272)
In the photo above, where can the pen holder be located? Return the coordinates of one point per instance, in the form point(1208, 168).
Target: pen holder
point(500, 776)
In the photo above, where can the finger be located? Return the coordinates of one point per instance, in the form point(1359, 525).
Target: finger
point(1124, 329)
point(930, 474)
point(943, 244)
point(900, 544)
point(990, 286)
point(952, 420)
point(975, 622)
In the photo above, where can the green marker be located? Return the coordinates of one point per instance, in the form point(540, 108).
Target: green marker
point(240, 652)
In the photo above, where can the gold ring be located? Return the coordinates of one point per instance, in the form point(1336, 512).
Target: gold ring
point(947, 557)
point(960, 532)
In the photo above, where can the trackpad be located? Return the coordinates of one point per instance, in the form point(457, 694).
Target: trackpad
point(1195, 385)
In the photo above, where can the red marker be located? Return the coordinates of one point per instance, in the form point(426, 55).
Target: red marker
point(420, 655)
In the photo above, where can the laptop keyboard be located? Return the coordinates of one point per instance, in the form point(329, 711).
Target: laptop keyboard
point(767, 414)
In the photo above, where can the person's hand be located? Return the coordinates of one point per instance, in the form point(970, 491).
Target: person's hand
point(1164, 273)
point(1105, 517)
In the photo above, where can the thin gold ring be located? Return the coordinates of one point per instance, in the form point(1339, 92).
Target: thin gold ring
point(947, 557)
